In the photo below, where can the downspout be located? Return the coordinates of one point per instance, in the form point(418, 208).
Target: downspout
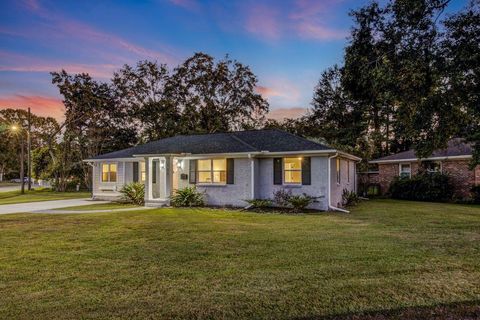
point(330, 185)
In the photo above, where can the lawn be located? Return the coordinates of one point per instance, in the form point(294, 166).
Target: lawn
point(39, 194)
point(402, 259)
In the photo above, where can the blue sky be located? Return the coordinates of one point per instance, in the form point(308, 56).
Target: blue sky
point(287, 44)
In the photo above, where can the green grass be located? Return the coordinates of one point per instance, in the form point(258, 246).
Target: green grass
point(39, 195)
point(100, 206)
point(386, 257)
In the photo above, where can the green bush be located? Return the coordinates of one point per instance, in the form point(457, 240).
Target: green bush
point(423, 187)
point(300, 202)
point(134, 193)
point(280, 197)
point(260, 203)
point(349, 198)
point(187, 197)
point(476, 194)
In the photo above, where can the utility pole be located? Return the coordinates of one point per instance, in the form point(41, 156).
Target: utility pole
point(22, 160)
point(29, 146)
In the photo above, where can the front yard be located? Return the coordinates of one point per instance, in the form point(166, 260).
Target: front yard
point(40, 194)
point(406, 259)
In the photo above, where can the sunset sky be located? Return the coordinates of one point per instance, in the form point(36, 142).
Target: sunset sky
point(286, 43)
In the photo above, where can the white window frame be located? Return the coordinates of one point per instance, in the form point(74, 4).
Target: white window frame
point(211, 172)
point(101, 172)
point(441, 167)
point(296, 170)
point(140, 163)
point(400, 169)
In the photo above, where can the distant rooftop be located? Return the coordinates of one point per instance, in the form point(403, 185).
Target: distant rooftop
point(455, 148)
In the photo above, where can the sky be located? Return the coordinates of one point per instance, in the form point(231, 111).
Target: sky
point(286, 43)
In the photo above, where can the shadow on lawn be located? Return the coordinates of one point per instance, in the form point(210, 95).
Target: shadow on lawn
point(468, 310)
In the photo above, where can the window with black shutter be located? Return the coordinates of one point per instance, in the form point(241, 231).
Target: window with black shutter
point(306, 171)
point(135, 172)
point(192, 176)
point(230, 171)
point(277, 170)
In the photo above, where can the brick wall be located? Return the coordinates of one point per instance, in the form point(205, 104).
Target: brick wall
point(386, 173)
point(477, 175)
point(462, 177)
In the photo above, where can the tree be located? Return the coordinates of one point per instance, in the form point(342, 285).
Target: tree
point(216, 97)
point(93, 125)
point(461, 49)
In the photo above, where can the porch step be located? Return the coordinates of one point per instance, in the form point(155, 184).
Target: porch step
point(157, 203)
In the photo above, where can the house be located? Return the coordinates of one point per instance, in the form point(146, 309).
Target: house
point(454, 161)
point(229, 168)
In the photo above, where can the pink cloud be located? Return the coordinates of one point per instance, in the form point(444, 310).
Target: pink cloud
point(284, 113)
point(40, 105)
point(21, 63)
point(263, 21)
point(280, 89)
point(312, 30)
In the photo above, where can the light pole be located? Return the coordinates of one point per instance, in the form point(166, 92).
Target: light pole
point(19, 129)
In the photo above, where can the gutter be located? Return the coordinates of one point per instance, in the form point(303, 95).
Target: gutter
point(330, 186)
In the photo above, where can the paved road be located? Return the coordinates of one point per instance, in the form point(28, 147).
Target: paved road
point(45, 205)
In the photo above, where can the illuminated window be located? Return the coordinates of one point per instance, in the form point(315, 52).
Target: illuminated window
point(339, 173)
point(405, 170)
point(292, 170)
point(109, 172)
point(142, 172)
point(212, 171)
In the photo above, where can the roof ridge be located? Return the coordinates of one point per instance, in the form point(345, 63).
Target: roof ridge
point(241, 141)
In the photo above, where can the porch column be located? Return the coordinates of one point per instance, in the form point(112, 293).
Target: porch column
point(168, 176)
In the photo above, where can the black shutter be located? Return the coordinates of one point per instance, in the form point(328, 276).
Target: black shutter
point(230, 171)
point(135, 172)
point(154, 171)
point(192, 177)
point(306, 171)
point(277, 170)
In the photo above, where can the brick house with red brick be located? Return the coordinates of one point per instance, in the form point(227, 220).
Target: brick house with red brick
point(454, 161)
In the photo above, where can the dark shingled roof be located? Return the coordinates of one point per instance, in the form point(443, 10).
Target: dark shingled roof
point(455, 147)
point(272, 140)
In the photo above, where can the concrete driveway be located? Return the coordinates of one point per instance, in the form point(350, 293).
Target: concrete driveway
point(45, 205)
point(9, 188)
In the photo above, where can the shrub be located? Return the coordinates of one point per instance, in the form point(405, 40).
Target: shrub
point(476, 194)
point(134, 193)
point(349, 198)
point(422, 187)
point(187, 197)
point(260, 203)
point(300, 202)
point(281, 197)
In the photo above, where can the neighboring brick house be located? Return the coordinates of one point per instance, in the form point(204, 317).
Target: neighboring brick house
point(454, 161)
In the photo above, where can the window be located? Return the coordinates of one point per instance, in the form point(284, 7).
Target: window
point(142, 172)
point(339, 173)
point(292, 170)
point(212, 171)
point(109, 172)
point(432, 166)
point(405, 170)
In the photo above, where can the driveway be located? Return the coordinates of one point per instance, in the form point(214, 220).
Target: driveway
point(45, 205)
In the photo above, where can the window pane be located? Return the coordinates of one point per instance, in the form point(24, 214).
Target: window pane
point(220, 176)
point(113, 167)
point(113, 177)
point(219, 164)
point(204, 165)
point(204, 176)
point(104, 176)
point(293, 176)
point(292, 163)
point(405, 168)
